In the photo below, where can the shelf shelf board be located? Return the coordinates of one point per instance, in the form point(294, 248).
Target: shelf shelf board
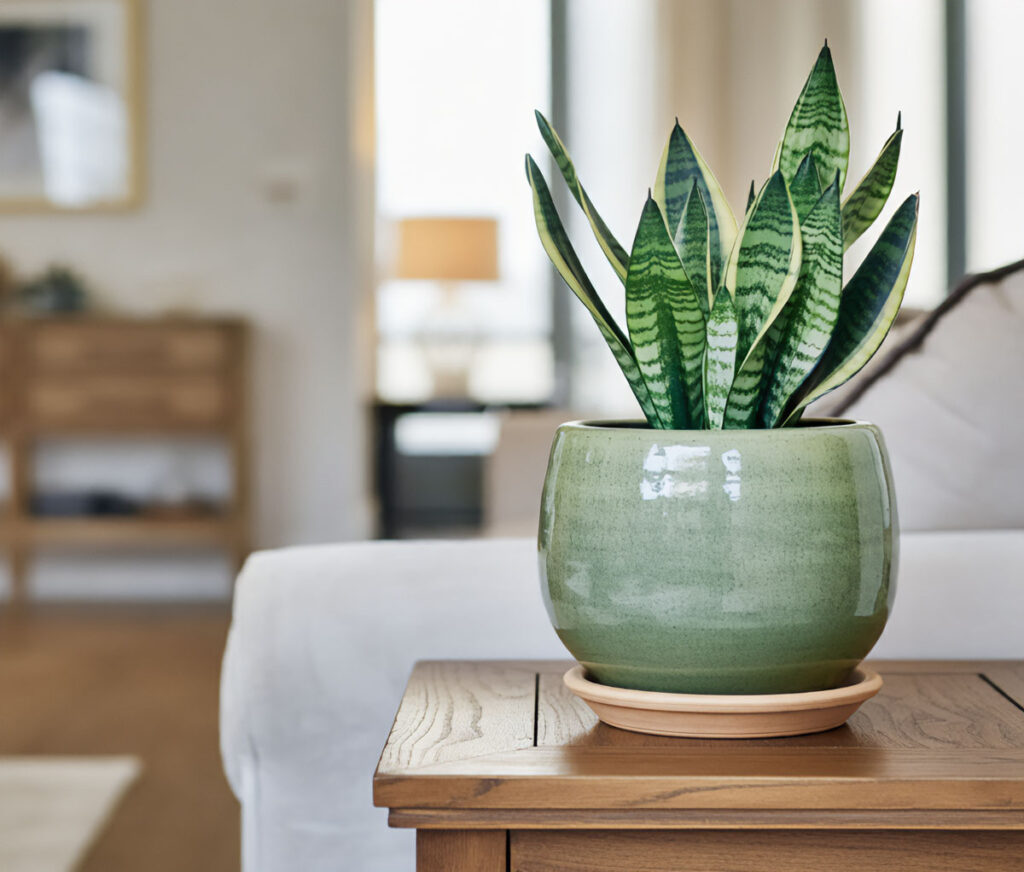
point(127, 531)
point(6, 526)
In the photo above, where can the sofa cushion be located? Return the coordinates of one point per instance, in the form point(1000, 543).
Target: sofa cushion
point(950, 401)
point(323, 639)
point(322, 642)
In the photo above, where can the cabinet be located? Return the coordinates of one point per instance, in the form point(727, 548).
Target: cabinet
point(118, 378)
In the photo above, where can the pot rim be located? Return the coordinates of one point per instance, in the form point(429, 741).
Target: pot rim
point(638, 425)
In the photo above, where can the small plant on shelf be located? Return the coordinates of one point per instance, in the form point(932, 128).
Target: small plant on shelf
point(742, 327)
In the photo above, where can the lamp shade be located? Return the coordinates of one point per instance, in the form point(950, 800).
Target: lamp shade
point(448, 248)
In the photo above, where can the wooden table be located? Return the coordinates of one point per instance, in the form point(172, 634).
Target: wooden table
point(500, 768)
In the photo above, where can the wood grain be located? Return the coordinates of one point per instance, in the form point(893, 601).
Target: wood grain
point(461, 851)
point(932, 742)
point(454, 711)
point(129, 680)
point(927, 777)
point(666, 851)
point(913, 710)
point(707, 819)
point(1008, 679)
point(758, 778)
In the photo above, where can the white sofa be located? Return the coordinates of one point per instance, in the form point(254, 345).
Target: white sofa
point(322, 641)
point(323, 638)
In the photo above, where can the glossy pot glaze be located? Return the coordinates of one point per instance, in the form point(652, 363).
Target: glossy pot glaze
point(718, 561)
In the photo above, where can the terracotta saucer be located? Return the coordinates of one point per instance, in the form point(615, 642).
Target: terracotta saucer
point(710, 716)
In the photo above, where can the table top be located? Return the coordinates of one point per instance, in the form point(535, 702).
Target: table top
point(504, 744)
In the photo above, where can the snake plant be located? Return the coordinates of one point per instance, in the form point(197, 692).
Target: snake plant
point(743, 324)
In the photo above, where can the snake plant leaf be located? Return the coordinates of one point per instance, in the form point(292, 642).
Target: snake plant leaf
point(559, 249)
point(867, 200)
point(805, 189)
point(682, 165)
point(764, 265)
point(745, 393)
point(867, 307)
point(615, 253)
point(666, 324)
point(751, 194)
point(719, 359)
point(818, 125)
point(813, 309)
point(693, 243)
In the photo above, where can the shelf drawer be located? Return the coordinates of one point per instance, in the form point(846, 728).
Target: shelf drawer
point(116, 403)
point(112, 347)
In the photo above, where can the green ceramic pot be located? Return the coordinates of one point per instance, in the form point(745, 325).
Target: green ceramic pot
point(718, 561)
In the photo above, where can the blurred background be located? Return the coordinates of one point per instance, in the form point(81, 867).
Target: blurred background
point(468, 455)
point(270, 276)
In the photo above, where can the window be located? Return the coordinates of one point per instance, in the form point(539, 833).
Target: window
point(457, 82)
point(995, 126)
point(902, 68)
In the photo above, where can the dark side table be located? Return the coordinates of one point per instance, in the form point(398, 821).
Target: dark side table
point(498, 767)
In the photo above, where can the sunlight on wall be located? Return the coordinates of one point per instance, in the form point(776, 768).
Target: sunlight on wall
point(995, 128)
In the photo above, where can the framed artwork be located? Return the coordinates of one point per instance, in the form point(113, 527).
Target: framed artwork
point(70, 105)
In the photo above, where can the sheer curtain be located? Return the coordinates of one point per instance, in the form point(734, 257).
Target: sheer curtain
point(995, 126)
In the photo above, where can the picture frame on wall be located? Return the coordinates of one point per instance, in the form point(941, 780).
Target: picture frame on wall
point(70, 105)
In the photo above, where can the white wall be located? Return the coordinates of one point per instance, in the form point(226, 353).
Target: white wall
point(259, 203)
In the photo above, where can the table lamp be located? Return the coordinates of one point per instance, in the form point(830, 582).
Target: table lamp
point(448, 251)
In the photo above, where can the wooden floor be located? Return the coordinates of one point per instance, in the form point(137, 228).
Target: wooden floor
point(128, 681)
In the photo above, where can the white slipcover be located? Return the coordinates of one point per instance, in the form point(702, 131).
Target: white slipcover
point(952, 411)
point(321, 644)
point(323, 639)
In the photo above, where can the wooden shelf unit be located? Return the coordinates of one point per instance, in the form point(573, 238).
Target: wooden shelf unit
point(93, 378)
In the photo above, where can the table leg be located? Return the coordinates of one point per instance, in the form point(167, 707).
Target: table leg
point(461, 851)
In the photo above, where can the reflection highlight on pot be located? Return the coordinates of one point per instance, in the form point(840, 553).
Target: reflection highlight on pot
point(732, 462)
point(674, 471)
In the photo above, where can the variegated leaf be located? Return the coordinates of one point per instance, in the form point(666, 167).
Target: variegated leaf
point(745, 393)
point(818, 125)
point(682, 165)
point(805, 189)
point(764, 265)
point(719, 359)
point(692, 241)
point(615, 253)
point(556, 243)
point(811, 314)
point(868, 199)
point(666, 325)
point(751, 194)
point(867, 308)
